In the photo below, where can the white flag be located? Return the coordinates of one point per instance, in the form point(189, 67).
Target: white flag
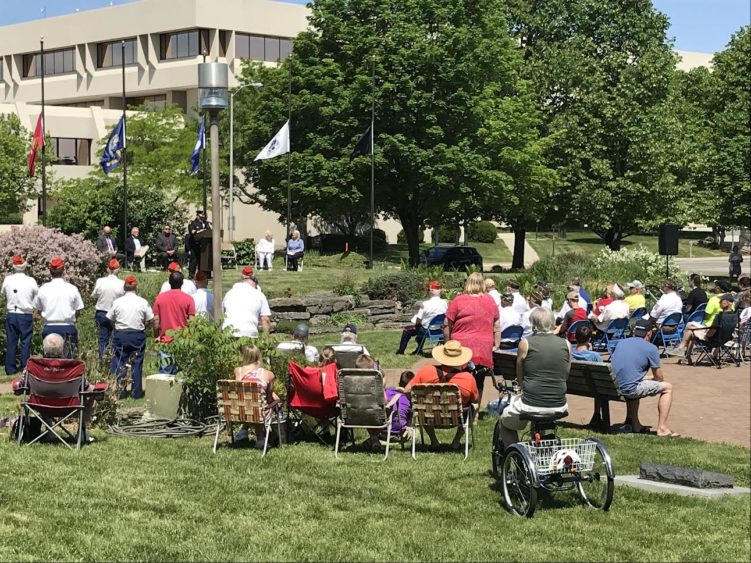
point(278, 145)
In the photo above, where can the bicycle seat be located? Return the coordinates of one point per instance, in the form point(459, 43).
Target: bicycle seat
point(542, 418)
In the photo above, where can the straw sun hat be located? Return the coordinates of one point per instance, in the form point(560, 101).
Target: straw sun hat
point(452, 354)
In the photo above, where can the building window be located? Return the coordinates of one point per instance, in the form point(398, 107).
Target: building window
point(157, 102)
point(72, 152)
point(183, 44)
point(88, 104)
point(261, 48)
point(60, 61)
point(111, 54)
point(223, 42)
point(1, 69)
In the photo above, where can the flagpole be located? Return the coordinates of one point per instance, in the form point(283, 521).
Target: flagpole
point(205, 197)
point(372, 161)
point(125, 157)
point(44, 143)
point(289, 153)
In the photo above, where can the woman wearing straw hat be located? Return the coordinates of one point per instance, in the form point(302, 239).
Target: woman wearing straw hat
point(452, 360)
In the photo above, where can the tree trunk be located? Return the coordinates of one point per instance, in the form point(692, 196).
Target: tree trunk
point(520, 233)
point(411, 225)
point(612, 238)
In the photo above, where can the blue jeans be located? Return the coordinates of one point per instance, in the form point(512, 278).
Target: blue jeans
point(105, 331)
point(69, 334)
point(128, 348)
point(166, 365)
point(18, 326)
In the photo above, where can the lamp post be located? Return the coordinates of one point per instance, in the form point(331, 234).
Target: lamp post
point(231, 225)
point(213, 87)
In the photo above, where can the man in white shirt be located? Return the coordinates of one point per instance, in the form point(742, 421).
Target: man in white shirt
point(520, 304)
point(106, 290)
point(20, 292)
point(203, 298)
point(135, 250)
point(59, 303)
point(616, 309)
point(245, 307)
point(491, 290)
point(300, 344)
point(188, 286)
point(129, 315)
point(668, 304)
point(508, 317)
point(428, 310)
point(348, 342)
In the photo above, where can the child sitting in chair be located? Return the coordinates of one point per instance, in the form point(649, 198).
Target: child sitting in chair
point(403, 406)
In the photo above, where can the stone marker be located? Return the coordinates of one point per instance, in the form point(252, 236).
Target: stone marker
point(688, 476)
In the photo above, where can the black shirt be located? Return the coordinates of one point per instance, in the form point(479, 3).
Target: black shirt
point(694, 299)
point(196, 225)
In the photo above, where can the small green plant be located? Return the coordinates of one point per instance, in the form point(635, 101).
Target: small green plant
point(345, 318)
point(246, 251)
point(346, 284)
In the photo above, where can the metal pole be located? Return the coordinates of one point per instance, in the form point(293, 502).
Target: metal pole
point(231, 223)
point(372, 161)
point(289, 154)
point(216, 207)
point(44, 143)
point(125, 156)
point(204, 199)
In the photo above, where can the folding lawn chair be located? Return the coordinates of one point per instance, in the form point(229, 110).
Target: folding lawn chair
point(744, 342)
point(696, 316)
point(512, 333)
point(433, 335)
point(362, 404)
point(440, 405)
point(54, 392)
point(312, 392)
point(345, 359)
point(717, 347)
point(610, 337)
point(661, 336)
point(244, 402)
point(633, 318)
point(571, 330)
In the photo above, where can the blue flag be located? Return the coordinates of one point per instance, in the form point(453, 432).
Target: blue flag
point(200, 145)
point(113, 151)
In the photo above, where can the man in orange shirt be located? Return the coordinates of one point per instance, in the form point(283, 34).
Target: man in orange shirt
point(452, 360)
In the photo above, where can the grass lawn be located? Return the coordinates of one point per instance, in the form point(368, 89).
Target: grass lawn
point(142, 499)
point(587, 242)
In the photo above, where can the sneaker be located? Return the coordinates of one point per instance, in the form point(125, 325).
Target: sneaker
point(676, 352)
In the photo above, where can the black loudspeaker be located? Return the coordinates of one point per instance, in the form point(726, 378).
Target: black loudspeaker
point(668, 239)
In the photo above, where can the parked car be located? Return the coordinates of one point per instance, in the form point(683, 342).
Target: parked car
point(451, 257)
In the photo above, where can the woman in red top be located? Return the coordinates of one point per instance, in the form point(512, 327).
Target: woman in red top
point(472, 319)
point(605, 299)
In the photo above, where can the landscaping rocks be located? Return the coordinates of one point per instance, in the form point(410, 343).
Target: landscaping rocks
point(688, 476)
point(317, 310)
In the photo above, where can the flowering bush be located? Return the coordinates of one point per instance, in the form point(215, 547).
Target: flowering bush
point(633, 263)
point(39, 245)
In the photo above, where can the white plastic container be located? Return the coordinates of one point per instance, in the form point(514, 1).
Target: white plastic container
point(162, 395)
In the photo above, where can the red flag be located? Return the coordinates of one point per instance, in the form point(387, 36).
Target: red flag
point(37, 142)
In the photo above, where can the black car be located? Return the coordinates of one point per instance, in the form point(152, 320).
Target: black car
point(451, 257)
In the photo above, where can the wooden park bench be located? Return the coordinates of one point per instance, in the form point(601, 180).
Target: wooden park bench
point(586, 379)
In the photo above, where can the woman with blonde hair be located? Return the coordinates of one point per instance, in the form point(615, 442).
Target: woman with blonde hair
point(252, 370)
point(473, 319)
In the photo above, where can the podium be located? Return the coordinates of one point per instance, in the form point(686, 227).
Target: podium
point(205, 262)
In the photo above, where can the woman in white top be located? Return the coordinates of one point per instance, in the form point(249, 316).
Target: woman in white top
point(265, 251)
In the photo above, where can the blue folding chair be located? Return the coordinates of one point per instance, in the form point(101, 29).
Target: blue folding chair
point(633, 318)
point(571, 331)
point(696, 316)
point(433, 336)
point(660, 337)
point(616, 330)
point(512, 333)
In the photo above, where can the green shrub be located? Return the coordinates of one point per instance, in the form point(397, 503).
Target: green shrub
point(346, 284)
point(345, 318)
point(346, 260)
point(483, 231)
point(402, 239)
point(246, 251)
point(409, 286)
point(448, 234)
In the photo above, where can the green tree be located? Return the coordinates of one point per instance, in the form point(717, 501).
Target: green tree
point(443, 72)
point(16, 188)
point(602, 72)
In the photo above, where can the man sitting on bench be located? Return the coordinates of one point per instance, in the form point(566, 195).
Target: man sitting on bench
point(542, 366)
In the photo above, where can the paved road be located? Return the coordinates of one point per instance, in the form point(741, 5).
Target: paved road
point(709, 265)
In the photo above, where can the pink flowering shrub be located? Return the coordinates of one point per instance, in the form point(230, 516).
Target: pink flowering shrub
point(39, 245)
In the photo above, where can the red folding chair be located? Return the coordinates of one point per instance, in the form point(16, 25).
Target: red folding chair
point(312, 392)
point(54, 392)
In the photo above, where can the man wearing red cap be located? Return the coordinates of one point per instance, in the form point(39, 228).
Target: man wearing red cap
point(188, 286)
point(245, 307)
point(106, 290)
point(203, 298)
point(428, 311)
point(59, 303)
point(172, 310)
point(129, 315)
point(20, 292)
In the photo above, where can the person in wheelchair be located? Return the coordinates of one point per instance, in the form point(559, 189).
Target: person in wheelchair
point(542, 366)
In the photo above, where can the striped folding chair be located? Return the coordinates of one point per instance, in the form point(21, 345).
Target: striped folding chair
point(439, 405)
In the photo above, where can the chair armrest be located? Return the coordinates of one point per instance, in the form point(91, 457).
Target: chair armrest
point(392, 402)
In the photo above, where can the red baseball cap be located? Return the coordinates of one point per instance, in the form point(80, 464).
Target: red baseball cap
point(247, 271)
point(174, 267)
point(131, 280)
point(200, 276)
point(113, 264)
point(56, 264)
point(435, 284)
point(18, 260)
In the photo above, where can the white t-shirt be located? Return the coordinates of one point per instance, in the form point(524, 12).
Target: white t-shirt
point(566, 307)
point(745, 315)
point(311, 352)
point(351, 348)
point(430, 309)
point(244, 305)
point(58, 301)
point(130, 312)
point(20, 292)
point(616, 309)
point(496, 297)
point(667, 305)
point(526, 324)
point(509, 317)
point(106, 290)
point(204, 301)
point(188, 287)
point(520, 304)
point(265, 246)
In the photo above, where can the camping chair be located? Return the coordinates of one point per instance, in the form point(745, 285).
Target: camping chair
point(675, 337)
point(433, 335)
point(244, 402)
point(362, 404)
point(633, 318)
point(312, 391)
point(440, 405)
point(716, 347)
point(613, 333)
point(345, 359)
point(56, 390)
point(512, 333)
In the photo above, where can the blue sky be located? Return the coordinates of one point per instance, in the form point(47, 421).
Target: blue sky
point(696, 25)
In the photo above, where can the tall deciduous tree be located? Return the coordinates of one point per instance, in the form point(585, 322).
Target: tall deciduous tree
point(16, 188)
point(445, 71)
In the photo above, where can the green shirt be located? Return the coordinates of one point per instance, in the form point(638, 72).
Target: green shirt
point(545, 371)
point(712, 309)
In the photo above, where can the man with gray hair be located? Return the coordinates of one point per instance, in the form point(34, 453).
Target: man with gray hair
point(542, 366)
point(53, 346)
point(299, 343)
point(20, 292)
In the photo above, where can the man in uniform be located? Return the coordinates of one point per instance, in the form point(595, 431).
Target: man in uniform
point(188, 286)
point(20, 292)
point(59, 303)
point(129, 314)
point(196, 226)
point(428, 310)
point(106, 290)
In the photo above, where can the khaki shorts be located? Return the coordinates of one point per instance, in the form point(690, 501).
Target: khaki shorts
point(646, 388)
point(510, 417)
